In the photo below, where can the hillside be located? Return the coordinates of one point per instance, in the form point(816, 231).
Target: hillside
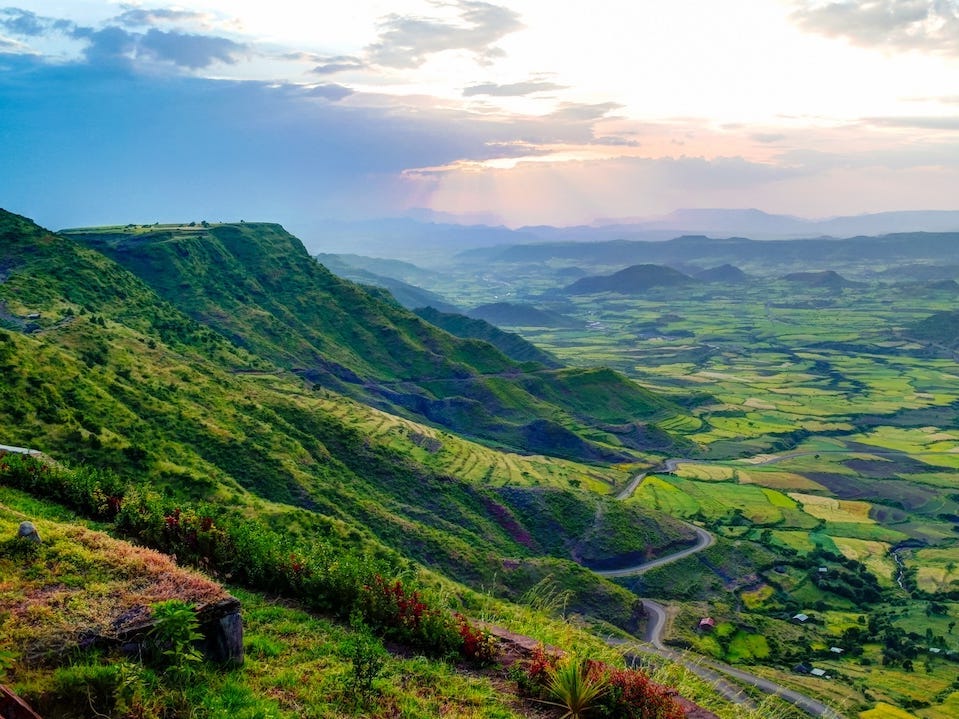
point(256, 285)
point(729, 274)
point(111, 375)
point(408, 295)
point(828, 279)
point(514, 314)
point(632, 280)
point(941, 328)
point(511, 345)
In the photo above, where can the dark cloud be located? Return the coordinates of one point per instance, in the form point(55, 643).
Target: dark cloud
point(109, 46)
point(332, 91)
point(513, 89)
point(191, 51)
point(407, 41)
point(28, 24)
point(338, 63)
point(926, 25)
point(114, 45)
point(141, 17)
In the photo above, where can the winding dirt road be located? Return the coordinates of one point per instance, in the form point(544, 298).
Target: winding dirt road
point(716, 673)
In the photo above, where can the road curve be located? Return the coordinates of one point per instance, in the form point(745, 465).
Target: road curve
point(712, 671)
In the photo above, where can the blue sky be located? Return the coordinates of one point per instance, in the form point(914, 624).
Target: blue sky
point(517, 112)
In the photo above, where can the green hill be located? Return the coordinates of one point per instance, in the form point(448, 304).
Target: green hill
point(632, 280)
point(97, 369)
point(256, 285)
point(941, 328)
point(828, 279)
point(514, 314)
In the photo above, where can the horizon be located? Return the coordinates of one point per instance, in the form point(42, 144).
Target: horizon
point(507, 114)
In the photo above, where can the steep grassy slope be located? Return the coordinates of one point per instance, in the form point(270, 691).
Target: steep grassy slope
point(98, 369)
point(256, 285)
point(510, 344)
point(410, 296)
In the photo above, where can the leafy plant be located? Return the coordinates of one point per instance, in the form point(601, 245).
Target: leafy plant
point(174, 636)
point(7, 660)
point(367, 659)
point(574, 687)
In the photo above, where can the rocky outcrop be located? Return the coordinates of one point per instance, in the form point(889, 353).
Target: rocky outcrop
point(222, 627)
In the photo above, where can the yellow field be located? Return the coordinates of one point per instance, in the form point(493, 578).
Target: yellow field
point(757, 403)
point(757, 597)
point(778, 480)
point(875, 555)
point(834, 510)
point(886, 711)
point(704, 472)
point(937, 570)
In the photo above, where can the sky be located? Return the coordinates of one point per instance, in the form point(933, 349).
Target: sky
point(519, 112)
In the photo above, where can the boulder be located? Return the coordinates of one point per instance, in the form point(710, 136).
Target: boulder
point(28, 532)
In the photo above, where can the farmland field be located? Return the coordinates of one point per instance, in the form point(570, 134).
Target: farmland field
point(824, 454)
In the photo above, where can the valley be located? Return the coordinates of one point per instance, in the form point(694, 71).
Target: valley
point(826, 441)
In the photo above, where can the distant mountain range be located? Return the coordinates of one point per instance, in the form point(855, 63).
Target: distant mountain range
point(432, 241)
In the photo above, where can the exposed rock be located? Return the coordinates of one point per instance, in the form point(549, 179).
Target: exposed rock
point(28, 532)
point(222, 629)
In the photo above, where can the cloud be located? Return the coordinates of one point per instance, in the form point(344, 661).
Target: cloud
point(113, 45)
point(13, 47)
point(141, 17)
point(110, 46)
point(580, 112)
point(918, 122)
point(332, 91)
point(28, 24)
point(406, 41)
point(338, 63)
point(514, 89)
point(767, 137)
point(923, 25)
point(190, 51)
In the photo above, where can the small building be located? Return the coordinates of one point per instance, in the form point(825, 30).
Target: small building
point(801, 618)
point(935, 650)
point(819, 673)
point(706, 624)
point(802, 668)
point(836, 650)
point(823, 570)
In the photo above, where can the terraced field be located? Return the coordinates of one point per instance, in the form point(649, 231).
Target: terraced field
point(827, 439)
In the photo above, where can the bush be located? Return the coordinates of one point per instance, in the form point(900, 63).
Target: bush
point(229, 545)
point(596, 687)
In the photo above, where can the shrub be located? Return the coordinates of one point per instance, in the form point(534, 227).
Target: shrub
point(583, 686)
point(575, 686)
point(174, 638)
point(367, 659)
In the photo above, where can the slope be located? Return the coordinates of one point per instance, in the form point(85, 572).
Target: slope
point(116, 377)
point(256, 285)
point(510, 344)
